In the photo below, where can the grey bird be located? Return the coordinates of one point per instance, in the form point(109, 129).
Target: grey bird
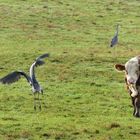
point(31, 79)
point(114, 40)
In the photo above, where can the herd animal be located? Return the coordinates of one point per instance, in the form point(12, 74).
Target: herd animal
point(132, 80)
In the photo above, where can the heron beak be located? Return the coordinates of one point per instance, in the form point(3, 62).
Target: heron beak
point(133, 89)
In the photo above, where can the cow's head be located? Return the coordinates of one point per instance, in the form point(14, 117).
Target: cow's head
point(132, 73)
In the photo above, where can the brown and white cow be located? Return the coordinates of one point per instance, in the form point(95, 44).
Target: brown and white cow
point(132, 79)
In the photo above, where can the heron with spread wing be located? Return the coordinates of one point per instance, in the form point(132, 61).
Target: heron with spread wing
point(31, 79)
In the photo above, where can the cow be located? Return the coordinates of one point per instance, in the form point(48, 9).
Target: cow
point(132, 79)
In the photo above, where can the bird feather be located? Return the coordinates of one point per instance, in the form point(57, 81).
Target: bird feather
point(42, 56)
point(13, 77)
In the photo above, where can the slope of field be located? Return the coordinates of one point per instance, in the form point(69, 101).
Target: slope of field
point(84, 97)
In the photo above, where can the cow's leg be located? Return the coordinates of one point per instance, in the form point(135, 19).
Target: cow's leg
point(134, 111)
point(133, 103)
point(137, 107)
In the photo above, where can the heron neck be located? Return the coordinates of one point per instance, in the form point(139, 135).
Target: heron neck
point(117, 30)
point(32, 72)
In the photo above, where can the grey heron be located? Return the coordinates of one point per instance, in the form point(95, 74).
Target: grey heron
point(31, 79)
point(114, 40)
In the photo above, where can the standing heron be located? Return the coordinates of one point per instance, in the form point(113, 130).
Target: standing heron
point(16, 75)
point(114, 40)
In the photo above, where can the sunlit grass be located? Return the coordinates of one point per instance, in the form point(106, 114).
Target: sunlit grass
point(84, 97)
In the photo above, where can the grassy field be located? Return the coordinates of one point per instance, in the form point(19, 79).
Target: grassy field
point(85, 97)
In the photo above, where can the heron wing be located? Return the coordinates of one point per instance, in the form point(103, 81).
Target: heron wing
point(39, 63)
point(42, 56)
point(114, 41)
point(13, 77)
point(26, 76)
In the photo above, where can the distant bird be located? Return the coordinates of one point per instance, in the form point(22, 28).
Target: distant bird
point(16, 75)
point(114, 40)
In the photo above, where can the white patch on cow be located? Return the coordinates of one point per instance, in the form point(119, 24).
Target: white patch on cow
point(133, 90)
point(132, 75)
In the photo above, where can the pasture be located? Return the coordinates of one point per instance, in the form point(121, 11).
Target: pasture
point(85, 98)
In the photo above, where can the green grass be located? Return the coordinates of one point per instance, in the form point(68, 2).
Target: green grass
point(85, 97)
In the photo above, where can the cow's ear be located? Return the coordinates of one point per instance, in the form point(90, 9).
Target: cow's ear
point(120, 67)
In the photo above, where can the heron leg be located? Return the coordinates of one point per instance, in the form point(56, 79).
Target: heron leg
point(34, 101)
point(42, 92)
point(43, 99)
point(39, 101)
